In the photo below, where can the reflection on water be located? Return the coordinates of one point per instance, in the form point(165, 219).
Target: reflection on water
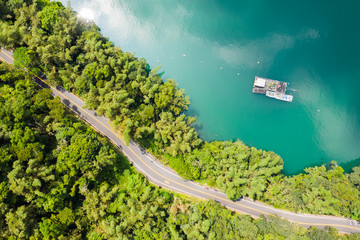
point(336, 129)
point(87, 13)
point(215, 48)
point(260, 51)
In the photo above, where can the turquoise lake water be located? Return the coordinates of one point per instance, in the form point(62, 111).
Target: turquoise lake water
point(214, 49)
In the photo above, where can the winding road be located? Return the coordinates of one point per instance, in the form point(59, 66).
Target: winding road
point(164, 177)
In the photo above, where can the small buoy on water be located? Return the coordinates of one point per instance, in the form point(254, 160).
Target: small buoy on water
point(258, 62)
point(220, 68)
point(184, 55)
point(238, 74)
point(318, 110)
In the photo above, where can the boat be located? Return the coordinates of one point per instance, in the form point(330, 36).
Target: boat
point(272, 88)
point(279, 96)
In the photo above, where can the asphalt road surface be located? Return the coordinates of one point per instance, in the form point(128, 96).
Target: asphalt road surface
point(164, 177)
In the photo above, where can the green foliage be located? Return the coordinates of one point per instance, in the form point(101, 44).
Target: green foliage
point(20, 222)
point(21, 57)
point(10, 36)
point(170, 99)
point(354, 177)
point(319, 191)
point(175, 135)
point(181, 167)
point(4, 10)
point(211, 221)
point(49, 14)
point(235, 168)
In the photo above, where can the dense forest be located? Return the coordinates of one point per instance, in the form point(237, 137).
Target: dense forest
point(51, 39)
point(59, 179)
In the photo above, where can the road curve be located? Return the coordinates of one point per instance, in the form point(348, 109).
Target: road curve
point(164, 177)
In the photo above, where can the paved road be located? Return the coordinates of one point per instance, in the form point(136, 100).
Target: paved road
point(6, 56)
point(162, 176)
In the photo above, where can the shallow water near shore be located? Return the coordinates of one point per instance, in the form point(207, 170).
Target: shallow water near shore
point(214, 49)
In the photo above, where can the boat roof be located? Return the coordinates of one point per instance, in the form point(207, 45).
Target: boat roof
point(260, 82)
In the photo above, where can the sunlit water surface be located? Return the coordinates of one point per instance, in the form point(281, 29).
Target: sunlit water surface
point(214, 49)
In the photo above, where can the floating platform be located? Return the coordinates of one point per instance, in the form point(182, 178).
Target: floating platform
point(272, 88)
point(279, 96)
